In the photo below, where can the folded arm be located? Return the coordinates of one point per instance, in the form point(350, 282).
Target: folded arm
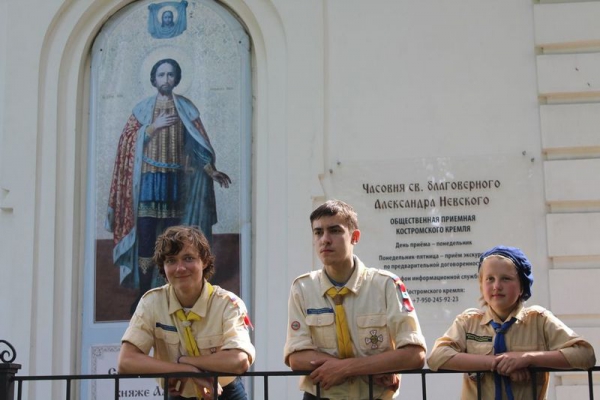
point(233, 361)
point(330, 371)
point(512, 361)
point(134, 361)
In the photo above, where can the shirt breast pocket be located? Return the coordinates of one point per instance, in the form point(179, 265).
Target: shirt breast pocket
point(373, 335)
point(322, 327)
point(167, 342)
point(209, 344)
point(483, 347)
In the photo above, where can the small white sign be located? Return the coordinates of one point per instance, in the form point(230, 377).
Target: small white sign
point(104, 361)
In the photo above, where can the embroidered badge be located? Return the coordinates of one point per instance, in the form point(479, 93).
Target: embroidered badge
point(166, 327)
point(374, 339)
point(295, 325)
point(405, 297)
point(325, 310)
point(236, 301)
point(247, 322)
point(477, 338)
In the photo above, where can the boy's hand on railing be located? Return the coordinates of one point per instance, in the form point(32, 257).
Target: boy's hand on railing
point(205, 386)
point(507, 363)
point(328, 372)
point(175, 386)
point(389, 381)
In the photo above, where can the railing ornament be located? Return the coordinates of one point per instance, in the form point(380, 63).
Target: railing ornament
point(7, 356)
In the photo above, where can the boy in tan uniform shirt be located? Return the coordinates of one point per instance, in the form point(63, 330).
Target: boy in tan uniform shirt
point(192, 325)
point(381, 334)
point(507, 337)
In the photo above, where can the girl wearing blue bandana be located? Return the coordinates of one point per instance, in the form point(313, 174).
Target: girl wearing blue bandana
point(506, 337)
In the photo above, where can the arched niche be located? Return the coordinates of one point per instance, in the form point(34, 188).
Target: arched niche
point(62, 146)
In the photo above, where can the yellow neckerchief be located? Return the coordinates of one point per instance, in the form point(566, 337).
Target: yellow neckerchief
point(341, 323)
point(190, 342)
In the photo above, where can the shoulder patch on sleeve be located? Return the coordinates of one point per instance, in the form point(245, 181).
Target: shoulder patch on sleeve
point(233, 298)
point(406, 301)
point(237, 302)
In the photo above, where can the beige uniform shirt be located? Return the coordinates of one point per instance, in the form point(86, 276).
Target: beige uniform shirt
point(380, 318)
point(535, 329)
point(222, 326)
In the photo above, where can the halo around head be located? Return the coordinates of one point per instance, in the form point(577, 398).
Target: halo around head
point(160, 13)
point(160, 53)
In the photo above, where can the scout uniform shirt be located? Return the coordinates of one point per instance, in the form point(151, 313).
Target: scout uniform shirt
point(535, 329)
point(222, 325)
point(380, 318)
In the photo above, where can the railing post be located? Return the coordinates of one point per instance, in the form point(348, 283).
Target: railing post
point(8, 370)
point(7, 384)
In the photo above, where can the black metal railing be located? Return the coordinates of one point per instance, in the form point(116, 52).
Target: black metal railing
point(7, 370)
point(9, 379)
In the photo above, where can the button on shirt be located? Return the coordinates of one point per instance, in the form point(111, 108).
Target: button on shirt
point(535, 329)
point(377, 318)
point(222, 326)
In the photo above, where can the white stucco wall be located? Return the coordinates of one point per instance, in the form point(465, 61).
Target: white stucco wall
point(337, 81)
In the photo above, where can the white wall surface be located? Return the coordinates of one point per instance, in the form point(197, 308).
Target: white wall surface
point(569, 23)
point(572, 180)
point(28, 269)
point(567, 42)
point(570, 126)
point(336, 81)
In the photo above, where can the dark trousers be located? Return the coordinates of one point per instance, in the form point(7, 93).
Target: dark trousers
point(234, 391)
point(308, 396)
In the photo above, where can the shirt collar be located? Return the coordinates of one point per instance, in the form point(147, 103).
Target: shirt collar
point(491, 315)
point(200, 307)
point(353, 284)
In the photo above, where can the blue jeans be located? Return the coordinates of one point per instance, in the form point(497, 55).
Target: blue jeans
point(234, 391)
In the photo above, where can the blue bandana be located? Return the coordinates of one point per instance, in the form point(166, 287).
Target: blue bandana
point(521, 262)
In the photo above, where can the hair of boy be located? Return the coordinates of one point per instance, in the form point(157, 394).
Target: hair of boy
point(332, 208)
point(172, 241)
